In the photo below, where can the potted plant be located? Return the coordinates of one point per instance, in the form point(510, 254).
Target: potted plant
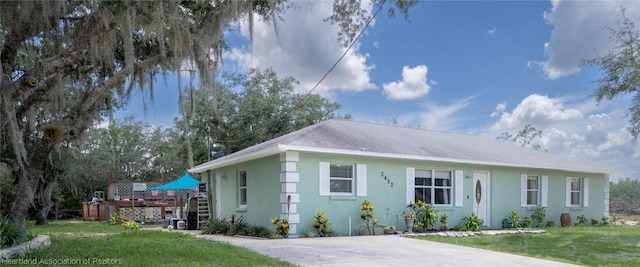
point(409, 219)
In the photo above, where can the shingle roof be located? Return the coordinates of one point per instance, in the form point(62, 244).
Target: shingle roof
point(377, 140)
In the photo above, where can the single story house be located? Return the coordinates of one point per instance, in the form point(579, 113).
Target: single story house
point(335, 165)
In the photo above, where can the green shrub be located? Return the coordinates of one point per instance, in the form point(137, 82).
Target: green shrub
point(237, 226)
point(525, 222)
point(131, 225)
point(513, 219)
point(217, 226)
point(582, 220)
point(551, 224)
point(538, 215)
point(321, 224)
point(306, 233)
point(470, 223)
point(427, 216)
point(255, 230)
point(282, 226)
point(115, 218)
point(605, 221)
point(9, 234)
point(444, 222)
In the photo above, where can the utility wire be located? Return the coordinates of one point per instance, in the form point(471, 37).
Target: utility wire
point(295, 106)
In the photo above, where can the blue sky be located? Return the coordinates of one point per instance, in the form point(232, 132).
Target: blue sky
point(482, 67)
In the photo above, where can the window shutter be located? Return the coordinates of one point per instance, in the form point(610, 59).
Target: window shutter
point(361, 180)
point(523, 190)
point(411, 173)
point(585, 201)
point(459, 192)
point(545, 193)
point(324, 179)
point(567, 192)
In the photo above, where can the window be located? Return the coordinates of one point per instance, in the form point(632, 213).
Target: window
point(577, 192)
point(534, 190)
point(433, 186)
point(242, 188)
point(341, 178)
point(533, 187)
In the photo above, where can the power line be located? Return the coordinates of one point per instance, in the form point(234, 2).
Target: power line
point(296, 105)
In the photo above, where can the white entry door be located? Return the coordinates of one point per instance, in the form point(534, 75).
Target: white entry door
point(481, 196)
point(218, 196)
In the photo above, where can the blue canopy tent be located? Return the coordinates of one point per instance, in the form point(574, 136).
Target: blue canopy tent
point(185, 182)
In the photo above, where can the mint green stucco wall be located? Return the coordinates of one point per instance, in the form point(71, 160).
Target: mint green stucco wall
point(265, 188)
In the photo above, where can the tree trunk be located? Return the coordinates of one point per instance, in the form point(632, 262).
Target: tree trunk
point(27, 179)
point(43, 202)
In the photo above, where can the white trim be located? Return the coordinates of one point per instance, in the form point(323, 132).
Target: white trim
point(410, 187)
point(288, 166)
point(544, 188)
point(290, 156)
point(424, 158)
point(229, 160)
point(361, 180)
point(585, 192)
point(324, 179)
point(523, 190)
point(567, 192)
point(459, 198)
point(275, 149)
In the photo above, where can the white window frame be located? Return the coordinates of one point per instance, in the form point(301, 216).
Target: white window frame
point(433, 186)
point(542, 193)
point(338, 178)
point(242, 175)
point(583, 192)
point(536, 190)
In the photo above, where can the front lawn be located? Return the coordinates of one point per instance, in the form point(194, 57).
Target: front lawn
point(84, 244)
point(591, 246)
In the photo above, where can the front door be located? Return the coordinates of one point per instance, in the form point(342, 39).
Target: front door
point(481, 196)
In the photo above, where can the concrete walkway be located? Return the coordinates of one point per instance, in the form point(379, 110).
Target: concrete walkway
point(381, 250)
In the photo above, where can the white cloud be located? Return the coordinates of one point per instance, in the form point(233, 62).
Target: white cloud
point(443, 117)
point(534, 109)
point(491, 31)
point(376, 44)
point(573, 128)
point(305, 48)
point(499, 110)
point(413, 84)
point(579, 33)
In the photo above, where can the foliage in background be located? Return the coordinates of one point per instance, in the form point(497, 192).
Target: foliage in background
point(366, 213)
point(513, 218)
point(427, 216)
point(469, 223)
point(444, 222)
point(621, 70)
point(538, 215)
point(526, 137)
point(131, 225)
point(321, 224)
point(9, 233)
point(581, 220)
point(115, 218)
point(282, 226)
point(625, 197)
point(68, 64)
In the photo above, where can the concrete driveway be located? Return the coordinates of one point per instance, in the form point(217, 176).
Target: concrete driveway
point(381, 250)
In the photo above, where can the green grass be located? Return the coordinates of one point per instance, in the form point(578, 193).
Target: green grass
point(591, 246)
point(78, 242)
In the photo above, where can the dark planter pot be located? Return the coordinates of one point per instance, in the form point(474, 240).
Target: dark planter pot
point(565, 219)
